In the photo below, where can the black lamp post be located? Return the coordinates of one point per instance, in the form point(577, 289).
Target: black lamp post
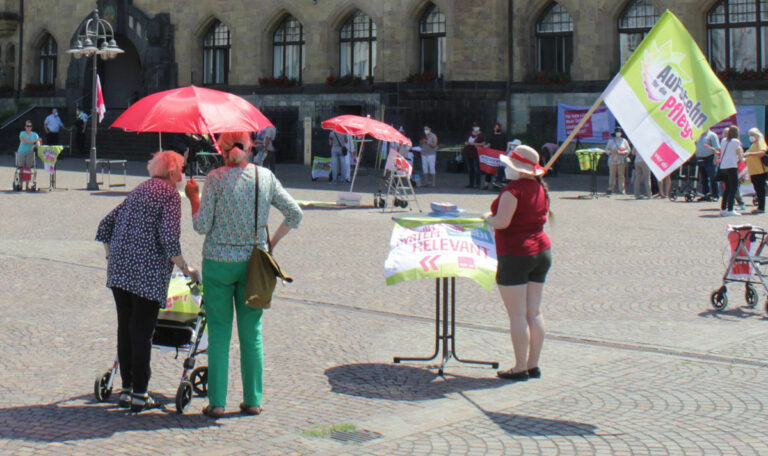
point(95, 38)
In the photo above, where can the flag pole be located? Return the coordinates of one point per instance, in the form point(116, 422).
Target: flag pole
point(573, 134)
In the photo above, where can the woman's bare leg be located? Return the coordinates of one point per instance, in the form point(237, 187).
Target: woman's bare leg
point(535, 322)
point(514, 298)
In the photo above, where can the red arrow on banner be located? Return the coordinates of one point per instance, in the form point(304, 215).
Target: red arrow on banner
point(428, 261)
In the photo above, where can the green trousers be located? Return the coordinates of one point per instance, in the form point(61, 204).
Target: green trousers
point(224, 291)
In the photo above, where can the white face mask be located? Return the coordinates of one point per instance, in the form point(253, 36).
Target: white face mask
point(426, 132)
point(476, 129)
point(181, 183)
point(511, 174)
point(752, 139)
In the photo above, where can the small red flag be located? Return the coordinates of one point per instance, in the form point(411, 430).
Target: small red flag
point(101, 108)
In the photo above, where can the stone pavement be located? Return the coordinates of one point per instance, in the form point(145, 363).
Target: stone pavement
point(636, 362)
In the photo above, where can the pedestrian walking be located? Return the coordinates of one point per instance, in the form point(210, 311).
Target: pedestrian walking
point(757, 170)
point(524, 255)
point(729, 162)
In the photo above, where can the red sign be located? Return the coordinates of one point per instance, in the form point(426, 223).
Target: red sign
point(572, 119)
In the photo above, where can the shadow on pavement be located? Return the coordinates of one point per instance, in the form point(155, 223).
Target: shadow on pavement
point(533, 426)
point(736, 312)
point(112, 193)
point(400, 383)
point(62, 421)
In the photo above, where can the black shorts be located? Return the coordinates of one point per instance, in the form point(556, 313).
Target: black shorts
point(519, 270)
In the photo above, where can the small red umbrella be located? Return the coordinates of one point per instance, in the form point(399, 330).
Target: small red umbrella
point(359, 126)
point(192, 110)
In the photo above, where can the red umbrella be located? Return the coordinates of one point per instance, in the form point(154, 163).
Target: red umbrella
point(361, 126)
point(192, 110)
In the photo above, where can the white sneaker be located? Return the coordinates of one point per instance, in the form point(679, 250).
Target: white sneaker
point(723, 213)
point(734, 213)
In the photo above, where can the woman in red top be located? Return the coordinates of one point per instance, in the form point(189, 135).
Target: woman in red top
point(518, 216)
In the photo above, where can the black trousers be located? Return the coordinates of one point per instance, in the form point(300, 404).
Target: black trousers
point(136, 319)
point(731, 188)
point(52, 139)
point(758, 181)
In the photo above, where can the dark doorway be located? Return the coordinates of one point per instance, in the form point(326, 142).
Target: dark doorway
point(355, 110)
point(286, 120)
point(122, 76)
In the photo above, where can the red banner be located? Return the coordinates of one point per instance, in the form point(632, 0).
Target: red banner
point(489, 159)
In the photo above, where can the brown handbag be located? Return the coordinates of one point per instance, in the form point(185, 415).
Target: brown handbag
point(263, 270)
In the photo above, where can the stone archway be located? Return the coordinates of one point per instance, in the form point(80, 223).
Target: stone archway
point(122, 78)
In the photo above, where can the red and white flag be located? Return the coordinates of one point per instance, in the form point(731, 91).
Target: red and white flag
point(101, 108)
point(489, 159)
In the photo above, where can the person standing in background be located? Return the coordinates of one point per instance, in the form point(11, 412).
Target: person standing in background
point(706, 146)
point(81, 122)
point(617, 150)
point(498, 141)
point(471, 157)
point(757, 170)
point(53, 125)
point(428, 145)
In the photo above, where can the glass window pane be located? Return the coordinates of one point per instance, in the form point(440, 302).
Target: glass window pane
point(547, 53)
point(429, 55)
point(764, 47)
point(742, 11)
point(743, 48)
point(716, 47)
point(292, 59)
point(361, 58)
point(344, 59)
point(567, 50)
point(628, 42)
point(221, 62)
point(556, 20)
point(277, 61)
point(207, 66)
point(640, 15)
point(763, 10)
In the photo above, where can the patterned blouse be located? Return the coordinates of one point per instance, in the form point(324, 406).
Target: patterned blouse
point(226, 212)
point(143, 234)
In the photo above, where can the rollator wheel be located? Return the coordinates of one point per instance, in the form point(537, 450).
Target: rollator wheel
point(688, 197)
point(382, 203)
point(199, 379)
point(404, 204)
point(183, 396)
point(100, 388)
point(719, 299)
point(673, 194)
point(751, 296)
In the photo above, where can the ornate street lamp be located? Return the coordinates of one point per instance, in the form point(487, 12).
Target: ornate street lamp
point(95, 38)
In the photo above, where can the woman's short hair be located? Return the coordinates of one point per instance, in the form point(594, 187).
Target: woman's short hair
point(733, 132)
point(235, 145)
point(162, 163)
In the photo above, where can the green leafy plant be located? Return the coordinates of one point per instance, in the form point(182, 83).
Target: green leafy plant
point(346, 80)
point(281, 81)
point(426, 76)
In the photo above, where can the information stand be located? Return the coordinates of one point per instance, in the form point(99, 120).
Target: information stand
point(444, 266)
point(588, 161)
point(445, 327)
point(49, 156)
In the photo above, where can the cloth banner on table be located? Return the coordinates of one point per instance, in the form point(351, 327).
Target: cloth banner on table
point(49, 155)
point(666, 96)
point(321, 167)
point(741, 270)
point(425, 247)
point(489, 159)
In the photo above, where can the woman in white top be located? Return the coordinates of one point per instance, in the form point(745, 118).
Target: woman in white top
point(618, 151)
point(729, 166)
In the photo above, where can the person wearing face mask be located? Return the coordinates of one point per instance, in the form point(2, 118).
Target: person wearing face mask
point(524, 252)
point(618, 151)
point(53, 125)
point(471, 157)
point(229, 219)
point(757, 170)
point(428, 145)
point(141, 240)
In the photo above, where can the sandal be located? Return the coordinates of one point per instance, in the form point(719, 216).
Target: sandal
point(213, 412)
point(250, 409)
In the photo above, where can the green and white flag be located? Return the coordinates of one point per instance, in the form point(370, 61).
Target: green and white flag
point(666, 96)
point(428, 247)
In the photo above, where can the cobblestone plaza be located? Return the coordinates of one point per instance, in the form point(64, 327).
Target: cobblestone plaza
point(636, 362)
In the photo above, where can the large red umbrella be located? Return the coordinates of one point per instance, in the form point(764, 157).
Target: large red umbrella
point(192, 110)
point(360, 126)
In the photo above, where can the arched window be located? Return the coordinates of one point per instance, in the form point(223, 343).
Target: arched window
point(288, 49)
point(737, 35)
point(357, 46)
point(48, 52)
point(432, 35)
point(554, 40)
point(216, 54)
point(636, 21)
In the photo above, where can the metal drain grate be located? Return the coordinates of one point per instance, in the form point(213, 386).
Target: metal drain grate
point(356, 436)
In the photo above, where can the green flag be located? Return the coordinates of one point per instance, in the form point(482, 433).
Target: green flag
point(666, 96)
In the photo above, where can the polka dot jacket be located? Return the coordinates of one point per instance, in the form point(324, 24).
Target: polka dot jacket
point(226, 212)
point(143, 234)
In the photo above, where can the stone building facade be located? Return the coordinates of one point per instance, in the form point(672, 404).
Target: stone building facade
point(174, 43)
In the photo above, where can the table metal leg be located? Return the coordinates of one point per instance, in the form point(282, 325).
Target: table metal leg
point(397, 359)
point(493, 364)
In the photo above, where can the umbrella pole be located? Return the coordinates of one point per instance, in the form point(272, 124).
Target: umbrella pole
point(357, 164)
point(160, 140)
